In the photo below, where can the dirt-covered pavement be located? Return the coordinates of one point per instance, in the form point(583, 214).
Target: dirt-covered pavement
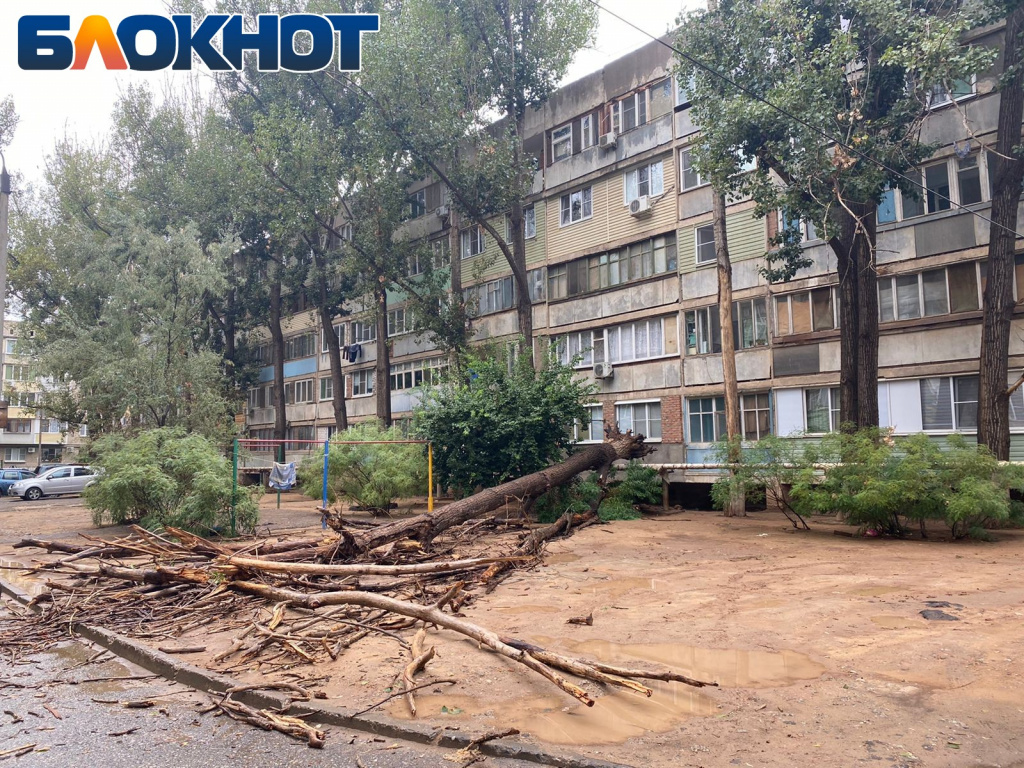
point(819, 642)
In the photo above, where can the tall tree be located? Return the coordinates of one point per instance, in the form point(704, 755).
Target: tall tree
point(1006, 168)
point(857, 71)
point(489, 58)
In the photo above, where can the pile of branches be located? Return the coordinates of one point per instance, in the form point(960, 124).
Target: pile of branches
point(298, 602)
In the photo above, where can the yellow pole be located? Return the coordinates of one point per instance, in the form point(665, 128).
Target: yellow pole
point(430, 477)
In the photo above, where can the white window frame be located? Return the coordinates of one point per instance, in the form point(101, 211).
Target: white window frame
point(952, 163)
point(946, 98)
point(606, 345)
point(686, 166)
point(471, 242)
point(716, 428)
point(14, 453)
point(339, 331)
point(755, 410)
point(362, 382)
point(920, 293)
point(299, 392)
point(585, 196)
point(632, 404)
point(777, 298)
point(632, 183)
point(697, 244)
point(833, 408)
point(561, 137)
point(588, 131)
point(529, 222)
point(577, 427)
point(953, 402)
point(400, 322)
point(363, 331)
point(418, 204)
point(11, 369)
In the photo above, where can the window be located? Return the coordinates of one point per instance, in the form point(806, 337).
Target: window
point(689, 177)
point(941, 95)
point(625, 343)
point(413, 374)
point(339, 332)
point(588, 131)
point(661, 98)
point(936, 180)
point(14, 454)
point(260, 397)
point(576, 206)
point(644, 181)
point(592, 430)
point(630, 112)
point(16, 372)
point(326, 389)
point(83, 430)
point(961, 180)
point(529, 222)
point(804, 312)
point(296, 392)
point(968, 177)
point(707, 419)
point(705, 238)
point(362, 382)
point(756, 415)
point(636, 261)
point(1016, 405)
point(19, 426)
point(265, 354)
point(22, 399)
point(561, 143)
point(943, 291)
point(536, 279)
point(471, 241)
point(949, 403)
point(704, 332)
point(298, 347)
point(418, 204)
point(557, 282)
point(11, 347)
point(798, 229)
point(363, 332)
point(400, 321)
point(302, 435)
point(345, 232)
point(642, 418)
point(442, 252)
point(822, 409)
point(684, 89)
point(494, 296)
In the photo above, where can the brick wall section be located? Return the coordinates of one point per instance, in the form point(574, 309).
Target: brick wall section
point(672, 419)
point(609, 413)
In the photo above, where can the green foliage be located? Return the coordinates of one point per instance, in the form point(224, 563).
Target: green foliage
point(640, 484)
point(492, 420)
point(879, 482)
point(8, 121)
point(766, 470)
point(372, 476)
point(165, 477)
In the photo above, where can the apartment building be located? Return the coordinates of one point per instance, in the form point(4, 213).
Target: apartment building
point(621, 255)
point(31, 437)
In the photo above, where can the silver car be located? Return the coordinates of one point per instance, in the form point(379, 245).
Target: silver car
point(55, 482)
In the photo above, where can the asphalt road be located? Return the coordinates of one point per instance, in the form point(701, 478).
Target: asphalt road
point(45, 703)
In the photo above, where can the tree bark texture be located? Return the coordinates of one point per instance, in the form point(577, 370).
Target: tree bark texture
point(382, 369)
point(737, 502)
point(427, 526)
point(1006, 166)
point(337, 375)
point(277, 336)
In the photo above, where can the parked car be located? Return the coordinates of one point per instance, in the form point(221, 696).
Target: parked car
point(47, 467)
point(54, 482)
point(9, 477)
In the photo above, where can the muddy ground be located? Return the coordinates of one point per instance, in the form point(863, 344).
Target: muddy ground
point(818, 641)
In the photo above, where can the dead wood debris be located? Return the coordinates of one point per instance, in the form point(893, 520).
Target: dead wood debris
point(297, 602)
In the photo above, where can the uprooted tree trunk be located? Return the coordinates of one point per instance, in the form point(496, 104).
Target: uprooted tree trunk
point(427, 526)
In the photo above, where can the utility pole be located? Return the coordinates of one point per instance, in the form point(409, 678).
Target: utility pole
point(5, 195)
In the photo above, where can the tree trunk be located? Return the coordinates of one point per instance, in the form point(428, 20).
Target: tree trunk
point(1007, 176)
point(458, 301)
point(524, 307)
point(849, 321)
point(277, 336)
point(867, 318)
point(427, 526)
point(382, 370)
point(337, 376)
point(737, 501)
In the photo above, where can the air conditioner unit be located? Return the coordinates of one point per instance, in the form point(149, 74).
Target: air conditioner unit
point(607, 140)
point(603, 370)
point(31, 449)
point(641, 206)
point(443, 210)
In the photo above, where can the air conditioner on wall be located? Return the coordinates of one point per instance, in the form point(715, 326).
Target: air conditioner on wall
point(640, 207)
point(443, 210)
point(603, 370)
point(31, 449)
point(607, 140)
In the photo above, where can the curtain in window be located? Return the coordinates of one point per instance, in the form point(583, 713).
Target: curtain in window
point(965, 390)
point(908, 303)
point(936, 406)
point(817, 410)
point(935, 300)
point(963, 287)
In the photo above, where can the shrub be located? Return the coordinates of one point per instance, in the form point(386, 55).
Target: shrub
point(768, 468)
point(497, 420)
point(372, 476)
point(639, 485)
point(166, 477)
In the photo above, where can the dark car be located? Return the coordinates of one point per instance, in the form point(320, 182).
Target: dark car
point(9, 477)
point(47, 467)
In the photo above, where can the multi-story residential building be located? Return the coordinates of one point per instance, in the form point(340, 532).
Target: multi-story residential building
point(622, 259)
point(31, 437)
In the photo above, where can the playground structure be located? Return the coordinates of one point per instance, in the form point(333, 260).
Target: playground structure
point(257, 457)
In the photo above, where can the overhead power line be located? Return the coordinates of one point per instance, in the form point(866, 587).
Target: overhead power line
point(820, 131)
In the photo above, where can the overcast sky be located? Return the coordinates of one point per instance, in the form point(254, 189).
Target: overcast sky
point(52, 104)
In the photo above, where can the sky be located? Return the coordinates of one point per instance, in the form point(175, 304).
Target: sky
point(79, 104)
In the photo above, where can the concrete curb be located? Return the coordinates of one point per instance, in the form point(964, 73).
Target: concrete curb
point(173, 668)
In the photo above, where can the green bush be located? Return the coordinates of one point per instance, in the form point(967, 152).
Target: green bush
point(640, 485)
point(768, 468)
point(497, 420)
point(371, 476)
point(166, 477)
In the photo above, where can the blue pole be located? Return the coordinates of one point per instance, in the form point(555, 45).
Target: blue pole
point(327, 452)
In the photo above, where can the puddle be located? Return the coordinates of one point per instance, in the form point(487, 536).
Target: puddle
point(895, 622)
point(517, 609)
point(729, 668)
point(23, 581)
point(614, 718)
point(561, 557)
